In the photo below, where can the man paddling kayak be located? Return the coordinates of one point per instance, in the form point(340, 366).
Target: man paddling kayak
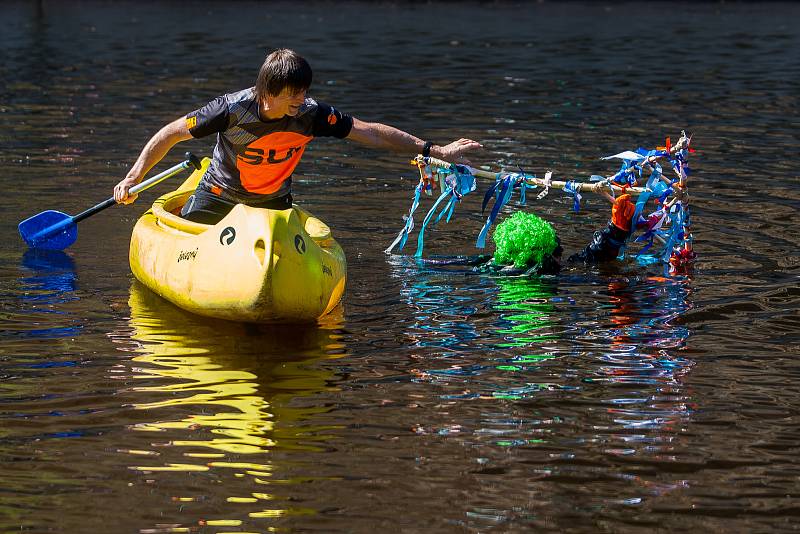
point(262, 133)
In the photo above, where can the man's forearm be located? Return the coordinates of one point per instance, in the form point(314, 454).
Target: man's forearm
point(379, 135)
point(157, 147)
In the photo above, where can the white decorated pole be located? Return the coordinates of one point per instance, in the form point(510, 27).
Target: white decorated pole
point(590, 187)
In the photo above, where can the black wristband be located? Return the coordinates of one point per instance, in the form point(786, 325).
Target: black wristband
point(426, 149)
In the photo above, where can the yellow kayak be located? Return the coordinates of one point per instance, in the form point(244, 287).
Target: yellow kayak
point(255, 265)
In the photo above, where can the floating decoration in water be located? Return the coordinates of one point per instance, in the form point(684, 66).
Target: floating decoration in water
point(641, 174)
point(523, 239)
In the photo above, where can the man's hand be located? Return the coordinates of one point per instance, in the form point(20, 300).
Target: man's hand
point(121, 194)
point(455, 150)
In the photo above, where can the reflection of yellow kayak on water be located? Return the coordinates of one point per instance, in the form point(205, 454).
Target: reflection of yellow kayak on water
point(235, 380)
point(225, 398)
point(255, 265)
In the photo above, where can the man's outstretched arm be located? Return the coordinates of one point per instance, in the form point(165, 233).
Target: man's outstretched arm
point(377, 135)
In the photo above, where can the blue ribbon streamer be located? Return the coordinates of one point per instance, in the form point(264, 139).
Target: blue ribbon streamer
point(571, 188)
point(401, 238)
point(488, 195)
point(506, 188)
point(675, 233)
point(428, 217)
point(459, 182)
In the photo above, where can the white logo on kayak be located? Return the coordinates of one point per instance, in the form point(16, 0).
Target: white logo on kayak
point(227, 236)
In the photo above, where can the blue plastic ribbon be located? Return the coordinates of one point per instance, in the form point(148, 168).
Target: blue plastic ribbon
point(675, 233)
point(402, 237)
point(428, 217)
point(571, 188)
point(652, 231)
point(489, 194)
point(458, 182)
point(506, 187)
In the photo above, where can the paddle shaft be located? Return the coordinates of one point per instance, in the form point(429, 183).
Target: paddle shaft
point(147, 184)
point(191, 161)
point(595, 187)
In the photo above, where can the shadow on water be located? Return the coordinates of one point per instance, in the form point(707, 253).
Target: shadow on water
point(224, 403)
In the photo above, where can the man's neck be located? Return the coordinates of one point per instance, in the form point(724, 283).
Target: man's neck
point(268, 113)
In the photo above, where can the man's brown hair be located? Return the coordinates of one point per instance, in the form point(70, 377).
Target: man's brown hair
point(283, 69)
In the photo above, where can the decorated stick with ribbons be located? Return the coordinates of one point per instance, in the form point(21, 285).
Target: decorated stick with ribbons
point(589, 187)
point(669, 225)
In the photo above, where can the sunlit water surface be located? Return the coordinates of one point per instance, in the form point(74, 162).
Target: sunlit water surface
point(435, 399)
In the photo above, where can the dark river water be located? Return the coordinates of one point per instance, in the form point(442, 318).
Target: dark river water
point(434, 399)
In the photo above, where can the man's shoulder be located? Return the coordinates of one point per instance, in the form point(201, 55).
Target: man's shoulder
point(242, 106)
point(312, 108)
point(308, 108)
point(244, 97)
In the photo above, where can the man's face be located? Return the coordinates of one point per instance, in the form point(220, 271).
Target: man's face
point(286, 103)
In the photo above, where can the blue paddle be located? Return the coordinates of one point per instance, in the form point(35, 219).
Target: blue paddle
point(53, 230)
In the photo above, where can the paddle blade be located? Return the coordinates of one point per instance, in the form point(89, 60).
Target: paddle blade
point(49, 230)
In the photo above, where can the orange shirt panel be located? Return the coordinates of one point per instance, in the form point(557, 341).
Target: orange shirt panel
point(268, 161)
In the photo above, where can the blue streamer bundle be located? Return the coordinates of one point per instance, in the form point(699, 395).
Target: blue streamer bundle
point(402, 237)
point(458, 182)
point(502, 189)
point(571, 188)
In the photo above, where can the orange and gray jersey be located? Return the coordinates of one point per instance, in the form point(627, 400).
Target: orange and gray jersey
point(254, 158)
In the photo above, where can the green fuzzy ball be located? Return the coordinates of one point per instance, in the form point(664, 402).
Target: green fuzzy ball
point(524, 239)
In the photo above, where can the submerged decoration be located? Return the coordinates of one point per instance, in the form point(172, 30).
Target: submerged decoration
point(523, 239)
point(641, 175)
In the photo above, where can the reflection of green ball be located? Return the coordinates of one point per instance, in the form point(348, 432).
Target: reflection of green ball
point(524, 239)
